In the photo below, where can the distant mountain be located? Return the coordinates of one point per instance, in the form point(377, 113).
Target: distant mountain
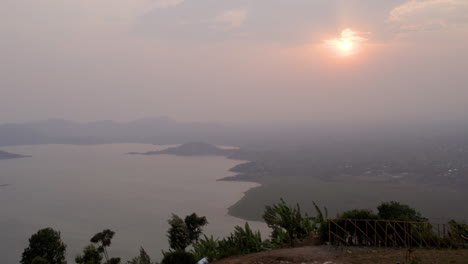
point(192, 149)
point(7, 155)
point(152, 131)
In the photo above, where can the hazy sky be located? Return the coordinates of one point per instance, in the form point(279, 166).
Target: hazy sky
point(234, 60)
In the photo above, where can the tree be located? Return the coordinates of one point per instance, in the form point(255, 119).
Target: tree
point(47, 245)
point(39, 260)
point(143, 258)
point(195, 226)
point(396, 211)
point(91, 255)
point(359, 214)
point(103, 241)
point(182, 233)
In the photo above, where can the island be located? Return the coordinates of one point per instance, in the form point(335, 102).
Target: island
point(7, 155)
point(191, 149)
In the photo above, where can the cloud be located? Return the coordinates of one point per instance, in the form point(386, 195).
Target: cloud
point(347, 36)
point(167, 3)
point(233, 18)
point(421, 15)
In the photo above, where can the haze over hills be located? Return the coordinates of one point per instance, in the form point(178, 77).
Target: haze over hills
point(165, 131)
point(323, 163)
point(154, 130)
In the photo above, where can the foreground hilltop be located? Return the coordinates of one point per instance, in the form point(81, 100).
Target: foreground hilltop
point(191, 149)
point(350, 255)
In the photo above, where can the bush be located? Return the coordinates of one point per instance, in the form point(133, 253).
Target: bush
point(396, 211)
point(458, 233)
point(206, 247)
point(242, 241)
point(359, 214)
point(287, 222)
point(178, 257)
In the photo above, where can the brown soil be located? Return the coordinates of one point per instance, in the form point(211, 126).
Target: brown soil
point(333, 255)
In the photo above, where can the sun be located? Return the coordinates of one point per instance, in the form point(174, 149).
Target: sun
point(348, 43)
point(345, 46)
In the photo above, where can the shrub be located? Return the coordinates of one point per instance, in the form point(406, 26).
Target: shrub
point(206, 247)
point(359, 214)
point(287, 222)
point(399, 212)
point(242, 241)
point(178, 257)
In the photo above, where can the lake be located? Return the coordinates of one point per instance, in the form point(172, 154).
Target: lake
point(81, 190)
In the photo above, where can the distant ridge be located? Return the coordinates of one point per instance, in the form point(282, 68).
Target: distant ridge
point(163, 131)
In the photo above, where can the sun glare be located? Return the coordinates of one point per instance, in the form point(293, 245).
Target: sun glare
point(347, 44)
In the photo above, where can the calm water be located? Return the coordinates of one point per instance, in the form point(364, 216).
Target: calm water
point(81, 190)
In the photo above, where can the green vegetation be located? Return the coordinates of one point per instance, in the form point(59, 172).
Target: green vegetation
point(45, 245)
point(39, 260)
point(399, 212)
point(182, 233)
point(242, 241)
point(90, 255)
point(391, 211)
point(359, 214)
point(93, 253)
point(459, 231)
point(178, 257)
point(207, 247)
point(342, 196)
point(144, 258)
point(288, 223)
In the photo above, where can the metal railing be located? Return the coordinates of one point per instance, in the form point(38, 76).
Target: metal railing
point(382, 233)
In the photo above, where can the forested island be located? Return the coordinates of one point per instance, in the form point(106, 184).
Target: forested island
point(191, 149)
point(7, 155)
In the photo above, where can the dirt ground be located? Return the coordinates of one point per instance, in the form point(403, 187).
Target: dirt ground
point(333, 255)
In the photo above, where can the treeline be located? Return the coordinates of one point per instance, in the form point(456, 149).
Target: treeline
point(288, 223)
